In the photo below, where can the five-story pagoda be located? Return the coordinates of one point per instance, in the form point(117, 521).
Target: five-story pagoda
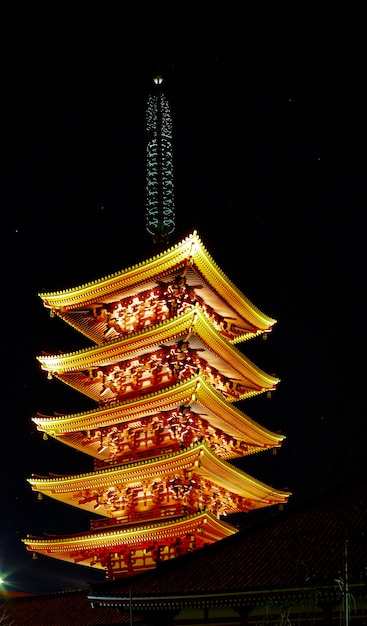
point(166, 376)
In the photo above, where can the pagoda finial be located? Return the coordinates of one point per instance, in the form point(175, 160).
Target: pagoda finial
point(160, 215)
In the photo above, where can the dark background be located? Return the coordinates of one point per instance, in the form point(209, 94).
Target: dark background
point(269, 157)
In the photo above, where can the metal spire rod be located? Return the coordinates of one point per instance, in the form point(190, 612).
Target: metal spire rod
point(160, 216)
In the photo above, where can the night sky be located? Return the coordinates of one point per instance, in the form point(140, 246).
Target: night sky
point(269, 159)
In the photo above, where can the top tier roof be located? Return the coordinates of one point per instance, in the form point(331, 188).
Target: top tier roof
point(77, 306)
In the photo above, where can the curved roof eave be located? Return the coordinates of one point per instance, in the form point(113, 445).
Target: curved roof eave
point(199, 456)
point(131, 537)
point(195, 392)
point(192, 322)
point(190, 250)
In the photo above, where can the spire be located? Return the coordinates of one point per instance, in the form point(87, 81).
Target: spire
point(160, 215)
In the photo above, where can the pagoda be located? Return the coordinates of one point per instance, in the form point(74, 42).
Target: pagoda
point(166, 376)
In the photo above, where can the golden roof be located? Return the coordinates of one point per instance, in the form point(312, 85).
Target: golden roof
point(89, 548)
point(108, 488)
point(188, 257)
point(205, 403)
point(78, 369)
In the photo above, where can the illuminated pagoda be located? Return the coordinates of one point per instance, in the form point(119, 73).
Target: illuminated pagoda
point(166, 375)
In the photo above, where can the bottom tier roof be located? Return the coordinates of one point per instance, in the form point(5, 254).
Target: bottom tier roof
point(133, 550)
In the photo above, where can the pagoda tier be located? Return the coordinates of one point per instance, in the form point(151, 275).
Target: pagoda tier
point(122, 552)
point(158, 289)
point(170, 486)
point(178, 417)
point(156, 357)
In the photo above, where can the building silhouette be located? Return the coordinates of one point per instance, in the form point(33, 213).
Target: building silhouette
point(166, 374)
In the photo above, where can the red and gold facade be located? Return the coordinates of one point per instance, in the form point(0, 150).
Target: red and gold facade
point(165, 373)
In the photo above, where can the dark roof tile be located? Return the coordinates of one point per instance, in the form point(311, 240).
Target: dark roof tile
point(59, 609)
